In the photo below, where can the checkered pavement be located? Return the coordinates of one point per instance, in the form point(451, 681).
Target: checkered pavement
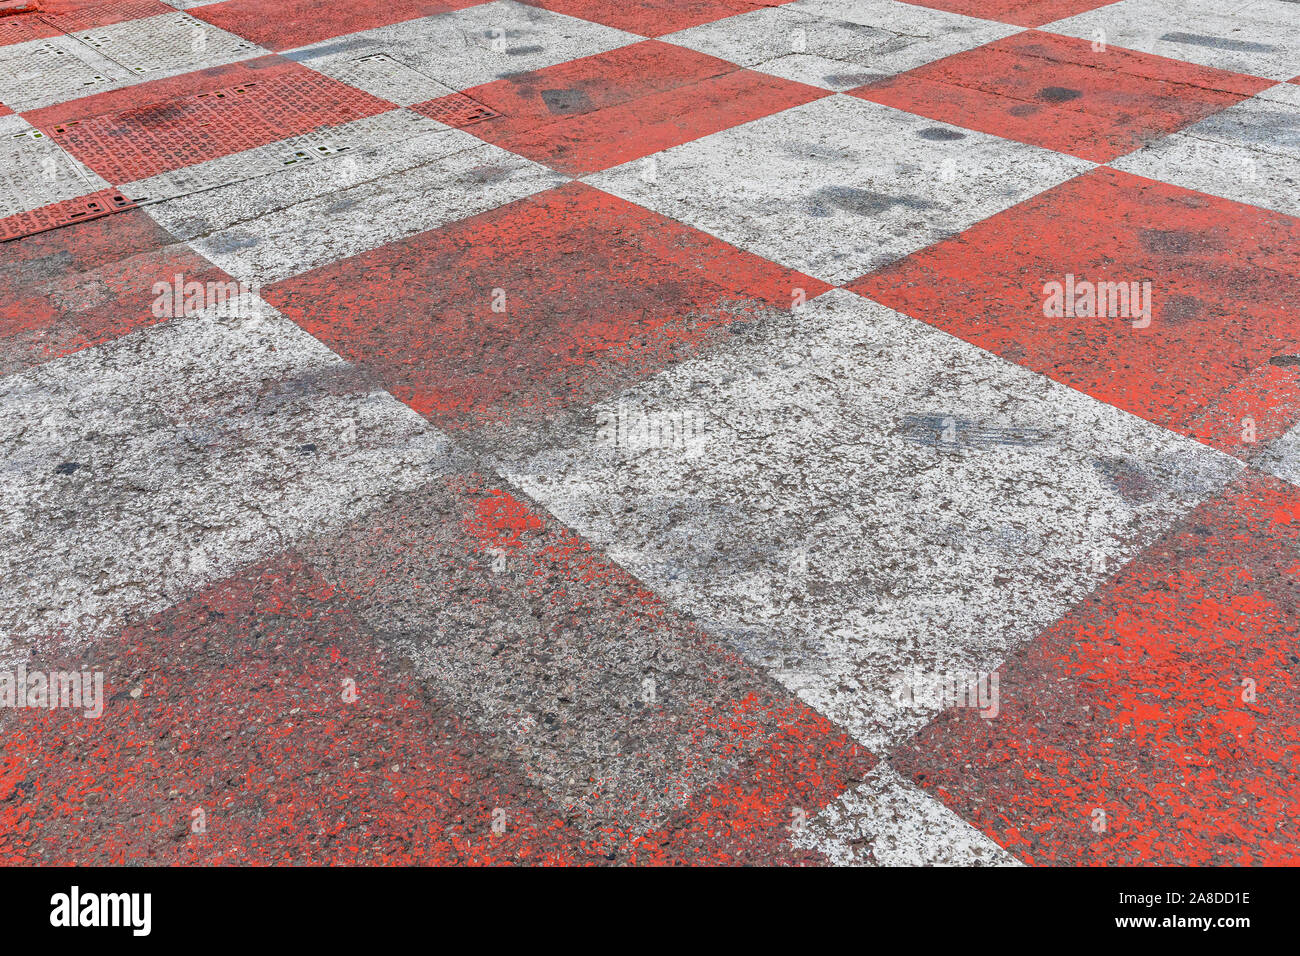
point(570, 431)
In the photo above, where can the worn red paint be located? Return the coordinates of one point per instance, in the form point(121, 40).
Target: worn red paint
point(761, 754)
point(664, 290)
point(1135, 704)
point(1262, 407)
point(795, 762)
point(1225, 290)
point(83, 285)
point(241, 714)
point(1057, 92)
point(207, 80)
point(599, 111)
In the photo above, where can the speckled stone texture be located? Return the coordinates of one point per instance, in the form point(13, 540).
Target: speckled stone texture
point(664, 432)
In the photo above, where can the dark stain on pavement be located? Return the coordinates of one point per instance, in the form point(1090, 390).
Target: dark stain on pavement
point(940, 134)
point(1058, 94)
point(566, 102)
point(862, 202)
point(1218, 43)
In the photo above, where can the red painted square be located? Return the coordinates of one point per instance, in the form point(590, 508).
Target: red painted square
point(1225, 290)
point(1023, 13)
point(598, 293)
point(653, 18)
point(257, 102)
point(1139, 704)
point(1055, 92)
point(602, 110)
point(286, 24)
point(85, 284)
point(1260, 409)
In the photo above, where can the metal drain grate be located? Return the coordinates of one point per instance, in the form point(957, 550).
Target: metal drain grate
point(36, 75)
point(65, 213)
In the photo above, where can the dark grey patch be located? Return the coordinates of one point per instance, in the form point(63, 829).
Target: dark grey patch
point(1179, 308)
point(67, 468)
point(489, 174)
point(1174, 241)
point(230, 243)
point(739, 328)
point(307, 449)
point(949, 433)
point(519, 50)
point(863, 202)
point(863, 28)
point(1285, 359)
point(855, 79)
point(566, 102)
point(940, 134)
point(1128, 482)
point(1218, 43)
point(1024, 109)
point(1058, 94)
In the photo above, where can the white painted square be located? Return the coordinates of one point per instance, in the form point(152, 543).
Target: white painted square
point(1261, 38)
point(838, 187)
point(839, 44)
point(1249, 153)
point(867, 498)
point(135, 472)
point(466, 47)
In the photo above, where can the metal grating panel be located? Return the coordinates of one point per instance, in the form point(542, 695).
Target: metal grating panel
point(65, 213)
point(83, 18)
point(20, 30)
point(42, 72)
point(364, 139)
point(34, 172)
point(166, 43)
point(145, 141)
point(383, 75)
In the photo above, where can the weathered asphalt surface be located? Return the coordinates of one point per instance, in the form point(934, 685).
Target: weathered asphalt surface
point(578, 432)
